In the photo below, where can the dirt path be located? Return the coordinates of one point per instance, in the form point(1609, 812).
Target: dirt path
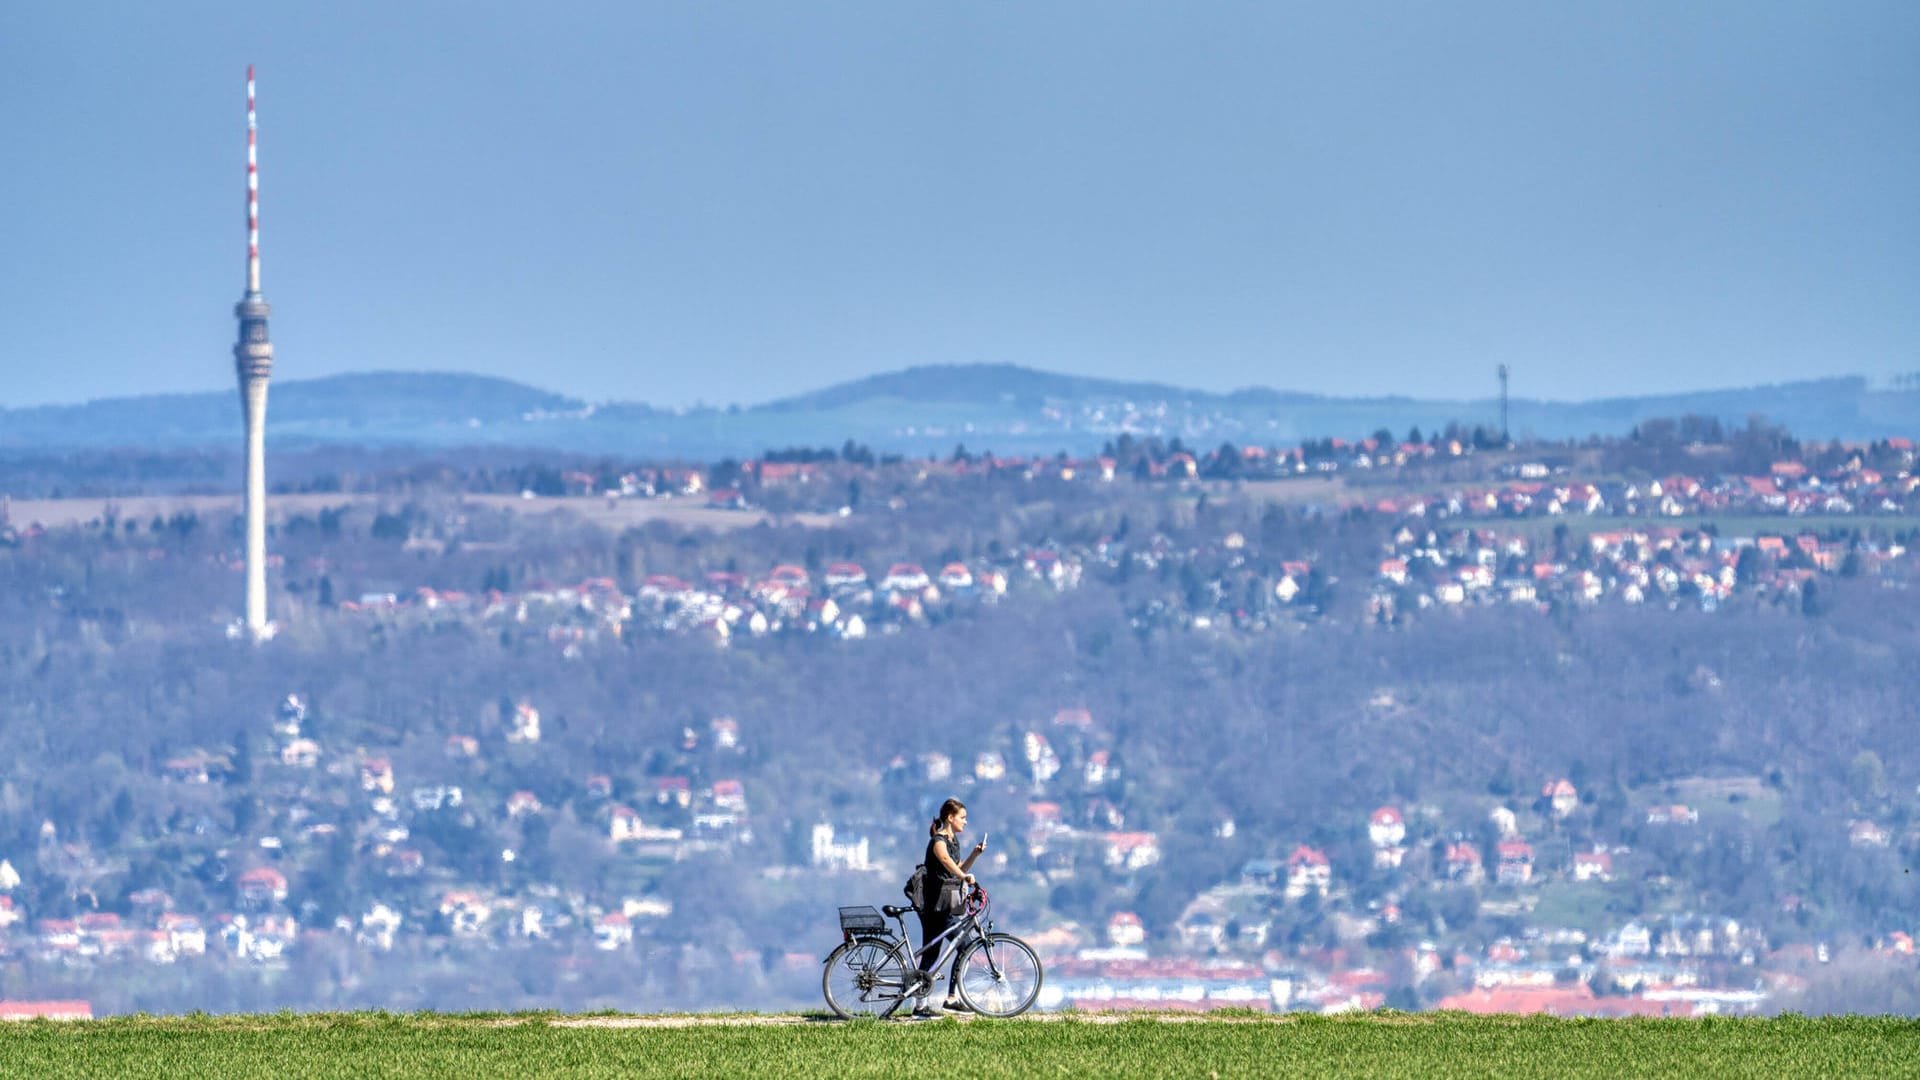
point(797, 1019)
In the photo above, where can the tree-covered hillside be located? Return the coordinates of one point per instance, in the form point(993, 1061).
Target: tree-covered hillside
point(535, 760)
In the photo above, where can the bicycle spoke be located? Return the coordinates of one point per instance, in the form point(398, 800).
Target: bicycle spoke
point(1000, 977)
point(866, 978)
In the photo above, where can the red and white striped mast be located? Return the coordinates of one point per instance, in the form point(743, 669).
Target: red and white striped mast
point(253, 191)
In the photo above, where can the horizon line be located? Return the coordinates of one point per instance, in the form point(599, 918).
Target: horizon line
point(1874, 382)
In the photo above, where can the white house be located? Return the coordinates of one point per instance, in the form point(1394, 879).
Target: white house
point(830, 854)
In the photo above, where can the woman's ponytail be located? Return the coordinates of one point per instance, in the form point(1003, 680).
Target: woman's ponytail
point(947, 810)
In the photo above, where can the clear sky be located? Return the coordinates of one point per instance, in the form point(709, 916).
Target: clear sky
point(721, 202)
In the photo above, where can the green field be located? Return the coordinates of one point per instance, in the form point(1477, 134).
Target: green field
point(1386, 1045)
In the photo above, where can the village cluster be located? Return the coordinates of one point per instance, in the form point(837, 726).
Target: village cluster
point(1473, 544)
point(1858, 480)
point(842, 602)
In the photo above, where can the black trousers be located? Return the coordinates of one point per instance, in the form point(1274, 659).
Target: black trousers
point(932, 925)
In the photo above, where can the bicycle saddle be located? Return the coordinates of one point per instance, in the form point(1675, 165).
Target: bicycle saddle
point(893, 912)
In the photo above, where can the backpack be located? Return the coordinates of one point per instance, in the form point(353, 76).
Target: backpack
point(916, 889)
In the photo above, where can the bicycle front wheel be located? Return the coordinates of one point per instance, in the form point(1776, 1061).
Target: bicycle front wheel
point(867, 977)
point(999, 976)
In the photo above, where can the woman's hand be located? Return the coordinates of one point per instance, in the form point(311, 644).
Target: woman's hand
point(979, 848)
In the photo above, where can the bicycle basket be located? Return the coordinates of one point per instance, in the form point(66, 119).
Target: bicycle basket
point(861, 920)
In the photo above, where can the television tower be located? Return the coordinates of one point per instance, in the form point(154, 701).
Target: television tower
point(253, 363)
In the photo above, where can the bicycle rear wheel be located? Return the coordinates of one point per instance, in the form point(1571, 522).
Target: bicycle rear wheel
point(867, 977)
point(999, 976)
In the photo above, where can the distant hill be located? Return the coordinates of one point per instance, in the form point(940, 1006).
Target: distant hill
point(374, 407)
point(978, 384)
point(999, 407)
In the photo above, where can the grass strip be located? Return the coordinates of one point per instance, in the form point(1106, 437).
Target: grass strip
point(376, 1045)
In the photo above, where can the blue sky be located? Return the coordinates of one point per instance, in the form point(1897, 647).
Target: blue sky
point(728, 202)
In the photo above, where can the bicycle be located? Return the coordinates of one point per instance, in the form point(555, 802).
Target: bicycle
point(874, 971)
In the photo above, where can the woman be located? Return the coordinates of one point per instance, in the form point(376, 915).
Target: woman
point(947, 878)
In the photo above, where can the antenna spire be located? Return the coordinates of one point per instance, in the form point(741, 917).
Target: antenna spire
point(253, 193)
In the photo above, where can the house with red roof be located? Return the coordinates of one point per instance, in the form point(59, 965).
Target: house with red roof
point(792, 577)
point(98, 922)
point(662, 587)
point(1592, 866)
point(730, 795)
point(905, 577)
point(524, 724)
point(1125, 930)
point(1132, 850)
point(185, 934)
point(1386, 828)
point(262, 885)
point(1514, 864)
point(466, 912)
point(1463, 864)
point(843, 575)
point(623, 824)
point(1308, 870)
point(1672, 815)
point(1080, 720)
point(612, 931)
point(1561, 797)
point(784, 472)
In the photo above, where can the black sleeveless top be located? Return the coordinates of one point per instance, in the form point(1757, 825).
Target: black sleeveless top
point(937, 872)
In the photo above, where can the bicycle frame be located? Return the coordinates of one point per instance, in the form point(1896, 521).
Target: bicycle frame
point(963, 930)
point(969, 920)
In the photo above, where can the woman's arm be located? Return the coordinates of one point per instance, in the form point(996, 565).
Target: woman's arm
point(977, 849)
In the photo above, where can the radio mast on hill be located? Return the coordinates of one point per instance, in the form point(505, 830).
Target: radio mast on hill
point(1504, 437)
point(253, 363)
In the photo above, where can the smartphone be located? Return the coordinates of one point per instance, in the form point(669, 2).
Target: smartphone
point(983, 838)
